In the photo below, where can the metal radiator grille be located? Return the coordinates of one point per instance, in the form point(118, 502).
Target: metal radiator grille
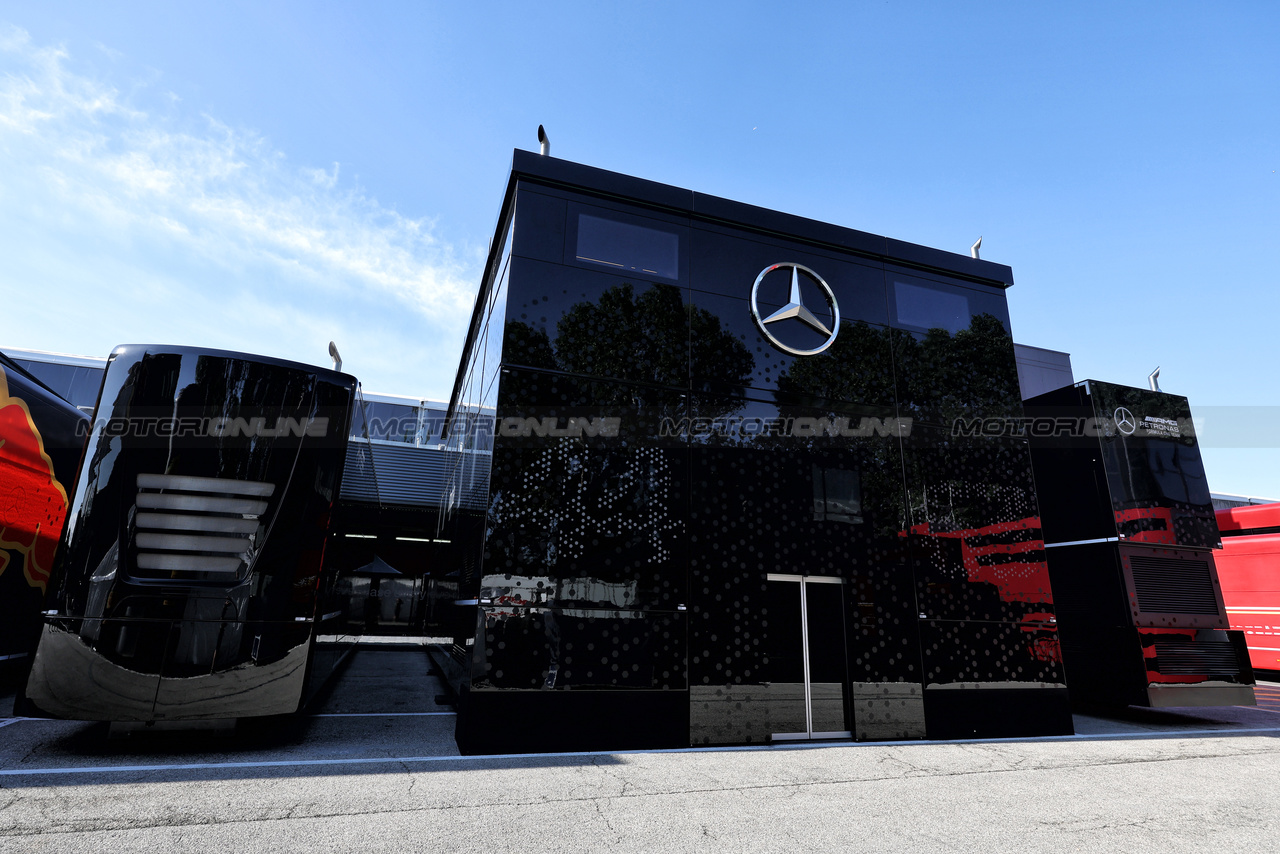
point(197, 524)
point(1182, 658)
point(1166, 586)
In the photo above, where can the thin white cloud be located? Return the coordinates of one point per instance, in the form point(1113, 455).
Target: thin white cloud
point(222, 193)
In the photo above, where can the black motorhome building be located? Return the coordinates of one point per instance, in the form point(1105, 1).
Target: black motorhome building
point(727, 503)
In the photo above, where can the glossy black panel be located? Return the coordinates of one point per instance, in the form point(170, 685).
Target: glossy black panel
point(975, 533)
point(1154, 472)
point(1130, 467)
point(828, 666)
point(550, 721)
point(884, 641)
point(727, 262)
point(609, 414)
point(971, 654)
point(578, 648)
point(794, 490)
point(539, 226)
point(856, 369)
point(578, 525)
point(958, 379)
point(998, 713)
point(597, 324)
point(1073, 496)
point(780, 699)
point(921, 302)
point(784, 651)
point(588, 494)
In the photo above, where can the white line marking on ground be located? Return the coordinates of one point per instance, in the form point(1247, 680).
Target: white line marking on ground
point(390, 760)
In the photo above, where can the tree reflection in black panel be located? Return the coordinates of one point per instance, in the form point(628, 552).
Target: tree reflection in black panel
point(856, 369)
point(942, 377)
point(644, 338)
point(527, 345)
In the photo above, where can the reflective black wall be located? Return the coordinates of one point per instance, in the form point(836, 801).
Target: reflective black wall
point(662, 470)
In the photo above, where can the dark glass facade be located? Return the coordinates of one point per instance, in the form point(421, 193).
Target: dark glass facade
point(727, 502)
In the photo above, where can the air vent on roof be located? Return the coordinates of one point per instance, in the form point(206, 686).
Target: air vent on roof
point(190, 525)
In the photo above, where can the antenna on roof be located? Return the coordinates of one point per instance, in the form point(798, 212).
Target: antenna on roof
point(544, 141)
point(973, 250)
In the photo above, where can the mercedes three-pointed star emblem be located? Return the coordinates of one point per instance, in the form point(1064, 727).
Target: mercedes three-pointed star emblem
point(795, 309)
point(1125, 421)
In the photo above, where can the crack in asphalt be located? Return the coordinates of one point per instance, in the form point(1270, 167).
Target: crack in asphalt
point(617, 837)
point(608, 771)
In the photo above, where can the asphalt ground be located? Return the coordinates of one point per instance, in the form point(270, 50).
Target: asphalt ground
point(376, 769)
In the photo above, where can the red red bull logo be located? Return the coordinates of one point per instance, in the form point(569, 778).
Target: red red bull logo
point(33, 505)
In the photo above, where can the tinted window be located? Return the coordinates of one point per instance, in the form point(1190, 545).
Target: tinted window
point(837, 496)
point(931, 308)
point(629, 247)
point(84, 386)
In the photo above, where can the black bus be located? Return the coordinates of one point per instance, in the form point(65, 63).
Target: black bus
point(190, 581)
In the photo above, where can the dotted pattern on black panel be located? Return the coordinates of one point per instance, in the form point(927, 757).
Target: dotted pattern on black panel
point(550, 649)
point(607, 518)
point(884, 641)
point(975, 537)
point(990, 653)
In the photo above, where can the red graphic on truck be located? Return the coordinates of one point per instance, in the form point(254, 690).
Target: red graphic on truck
point(33, 504)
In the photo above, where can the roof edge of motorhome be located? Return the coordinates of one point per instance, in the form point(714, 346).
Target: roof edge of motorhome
point(566, 173)
point(540, 168)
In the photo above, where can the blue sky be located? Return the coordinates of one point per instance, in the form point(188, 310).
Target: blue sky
point(269, 176)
